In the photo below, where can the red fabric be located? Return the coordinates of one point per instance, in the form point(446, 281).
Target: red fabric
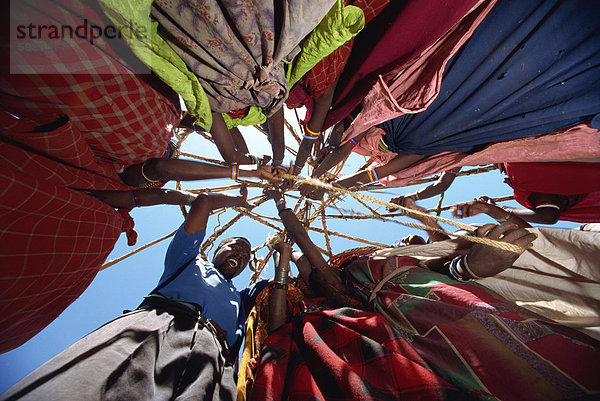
point(344, 354)
point(314, 83)
point(399, 35)
point(560, 178)
point(53, 236)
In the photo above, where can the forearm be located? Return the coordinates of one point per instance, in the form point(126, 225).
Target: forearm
point(303, 265)
point(278, 297)
point(511, 215)
point(197, 218)
point(238, 141)
point(332, 159)
point(276, 131)
point(395, 165)
point(144, 197)
point(224, 142)
point(304, 151)
point(188, 170)
point(296, 231)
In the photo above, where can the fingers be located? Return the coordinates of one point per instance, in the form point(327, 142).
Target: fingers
point(507, 232)
point(244, 191)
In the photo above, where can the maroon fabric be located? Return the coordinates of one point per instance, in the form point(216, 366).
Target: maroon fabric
point(560, 178)
point(344, 354)
point(394, 38)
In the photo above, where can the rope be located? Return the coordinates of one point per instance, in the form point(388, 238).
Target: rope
point(498, 244)
point(141, 248)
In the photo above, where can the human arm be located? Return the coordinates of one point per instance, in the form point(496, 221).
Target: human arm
point(315, 125)
point(434, 236)
point(197, 217)
point(485, 260)
point(441, 185)
point(143, 197)
point(276, 133)
point(398, 163)
point(483, 205)
point(225, 142)
point(278, 296)
point(325, 278)
point(160, 169)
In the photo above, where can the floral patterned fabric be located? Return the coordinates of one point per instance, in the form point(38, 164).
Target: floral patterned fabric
point(236, 48)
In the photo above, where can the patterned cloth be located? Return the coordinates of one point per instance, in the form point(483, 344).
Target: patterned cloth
point(475, 339)
point(236, 48)
point(63, 133)
point(431, 338)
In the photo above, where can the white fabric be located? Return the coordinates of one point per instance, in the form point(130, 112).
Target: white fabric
point(558, 277)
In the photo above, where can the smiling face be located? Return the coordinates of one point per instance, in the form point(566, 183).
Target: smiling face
point(231, 257)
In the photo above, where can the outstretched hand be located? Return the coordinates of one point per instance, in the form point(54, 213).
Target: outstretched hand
point(485, 260)
point(268, 173)
point(469, 209)
point(312, 192)
point(244, 197)
point(406, 201)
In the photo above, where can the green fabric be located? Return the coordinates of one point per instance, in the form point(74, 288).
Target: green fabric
point(255, 116)
point(153, 51)
point(340, 24)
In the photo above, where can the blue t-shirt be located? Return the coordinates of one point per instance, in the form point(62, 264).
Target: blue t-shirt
point(201, 283)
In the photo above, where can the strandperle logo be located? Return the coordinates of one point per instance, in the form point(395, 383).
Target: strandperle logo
point(46, 38)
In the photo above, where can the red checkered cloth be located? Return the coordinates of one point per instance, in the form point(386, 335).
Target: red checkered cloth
point(344, 354)
point(62, 134)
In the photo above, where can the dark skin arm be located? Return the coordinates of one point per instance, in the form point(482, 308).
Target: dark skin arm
point(482, 205)
point(398, 163)
point(186, 170)
point(205, 203)
point(225, 142)
point(434, 236)
point(278, 296)
point(441, 185)
point(276, 132)
point(317, 119)
point(485, 260)
point(145, 197)
point(327, 279)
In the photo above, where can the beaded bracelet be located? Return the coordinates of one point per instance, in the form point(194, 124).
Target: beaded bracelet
point(453, 270)
point(235, 169)
point(353, 142)
point(372, 175)
point(279, 286)
point(308, 134)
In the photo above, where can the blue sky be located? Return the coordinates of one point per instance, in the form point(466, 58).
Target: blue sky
point(122, 286)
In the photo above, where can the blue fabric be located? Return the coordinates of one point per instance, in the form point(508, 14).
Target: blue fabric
point(530, 68)
point(204, 285)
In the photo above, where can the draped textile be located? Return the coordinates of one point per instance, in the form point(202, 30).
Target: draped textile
point(528, 69)
point(314, 83)
point(392, 40)
point(581, 141)
point(560, 178)
point(237, 48)
point(434, 338)
point(62, 133)
point(475, 339)
point(557, 278)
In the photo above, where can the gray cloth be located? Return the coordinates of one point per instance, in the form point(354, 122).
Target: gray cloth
point(142, 355)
